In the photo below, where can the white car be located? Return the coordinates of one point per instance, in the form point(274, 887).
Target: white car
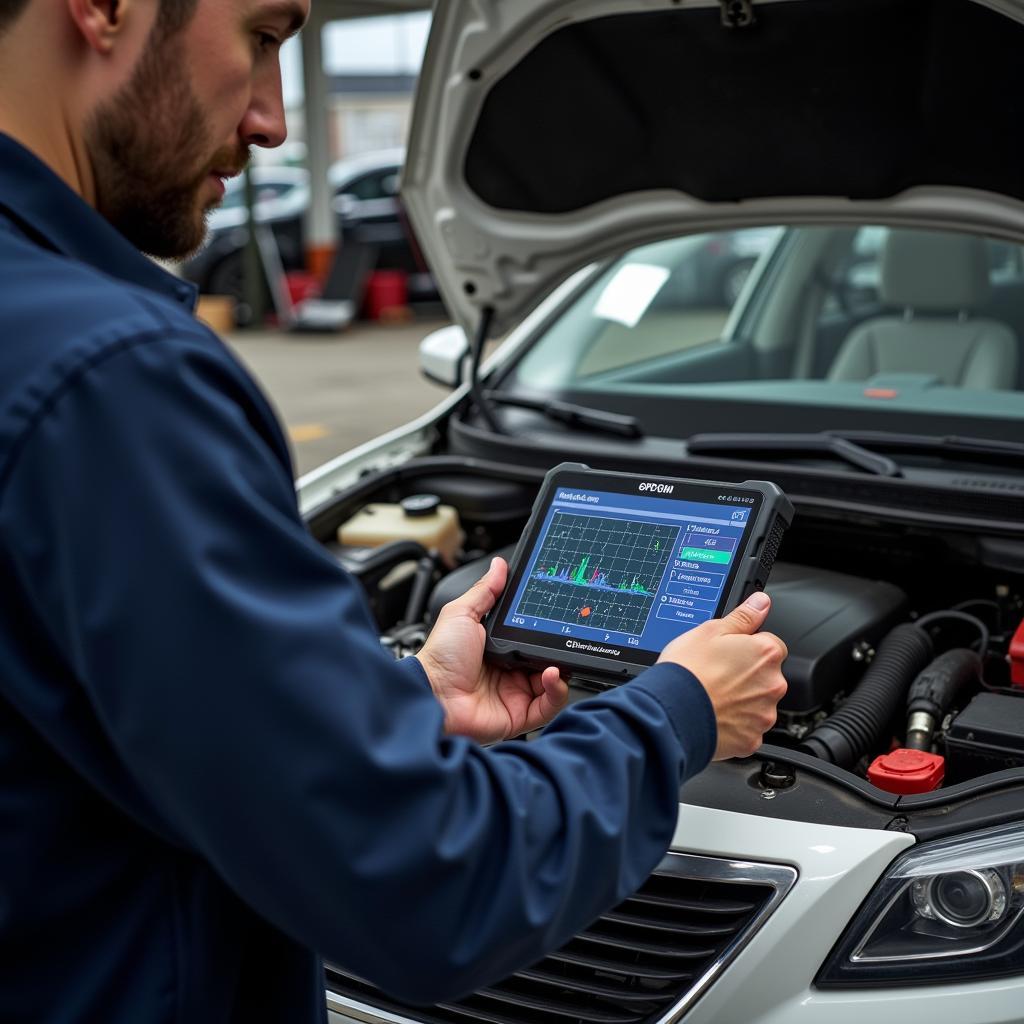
point(282, 192)
point(868, 862)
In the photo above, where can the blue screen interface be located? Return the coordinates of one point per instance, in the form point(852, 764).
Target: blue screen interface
point(631, 570)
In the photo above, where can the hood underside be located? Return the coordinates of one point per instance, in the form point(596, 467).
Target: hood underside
point(548, 133)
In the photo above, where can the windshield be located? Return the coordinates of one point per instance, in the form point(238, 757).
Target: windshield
point(814, 328)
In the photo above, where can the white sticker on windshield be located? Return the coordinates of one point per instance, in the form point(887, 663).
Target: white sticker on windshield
point(628, 294)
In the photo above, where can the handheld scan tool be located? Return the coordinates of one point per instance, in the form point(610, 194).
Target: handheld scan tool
point(612, 566)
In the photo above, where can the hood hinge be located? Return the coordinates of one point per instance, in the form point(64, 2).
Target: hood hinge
point(737, 13)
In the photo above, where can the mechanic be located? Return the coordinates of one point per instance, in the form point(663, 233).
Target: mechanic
point(211, 775)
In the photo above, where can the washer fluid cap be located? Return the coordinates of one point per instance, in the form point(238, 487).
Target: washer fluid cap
point(907, 771)
point(420, 504)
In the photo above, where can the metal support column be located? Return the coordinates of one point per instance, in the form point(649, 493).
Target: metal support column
point(321, 233)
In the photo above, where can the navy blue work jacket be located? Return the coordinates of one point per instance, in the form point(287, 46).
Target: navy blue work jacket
point(211, 774)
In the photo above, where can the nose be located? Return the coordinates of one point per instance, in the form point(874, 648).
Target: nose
point(263, 123)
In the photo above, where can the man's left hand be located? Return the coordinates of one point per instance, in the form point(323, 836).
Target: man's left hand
point(482, 701)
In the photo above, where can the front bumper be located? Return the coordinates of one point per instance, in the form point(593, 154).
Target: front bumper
point(770, 979)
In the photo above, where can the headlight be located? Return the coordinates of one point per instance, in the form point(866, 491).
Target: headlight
point(947, 911)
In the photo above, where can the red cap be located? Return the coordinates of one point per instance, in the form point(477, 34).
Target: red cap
point(1017, 657)
point(907, 771)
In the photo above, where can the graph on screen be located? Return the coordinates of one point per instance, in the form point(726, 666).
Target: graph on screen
point(598, 572)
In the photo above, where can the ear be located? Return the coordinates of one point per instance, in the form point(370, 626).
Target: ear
point(100, 22)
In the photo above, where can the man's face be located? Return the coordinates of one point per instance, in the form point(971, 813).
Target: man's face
point(196, 101)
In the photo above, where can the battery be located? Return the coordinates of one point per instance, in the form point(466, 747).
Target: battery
point(987, 736)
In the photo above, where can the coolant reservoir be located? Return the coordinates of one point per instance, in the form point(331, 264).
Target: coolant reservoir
point(420, 517)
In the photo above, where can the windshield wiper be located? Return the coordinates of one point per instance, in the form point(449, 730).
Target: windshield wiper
point(578, 417)
point(839, 447)
point(951, 444)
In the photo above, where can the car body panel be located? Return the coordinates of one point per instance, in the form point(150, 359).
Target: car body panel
point(771, 980)
point(836, 868)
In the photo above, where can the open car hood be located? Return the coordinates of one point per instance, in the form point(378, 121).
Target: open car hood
point(549, 133)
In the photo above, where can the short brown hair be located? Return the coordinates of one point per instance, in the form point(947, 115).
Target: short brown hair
point(9, 11)
point(174, 14)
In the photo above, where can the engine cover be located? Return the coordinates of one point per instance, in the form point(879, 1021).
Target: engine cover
point(823, 616)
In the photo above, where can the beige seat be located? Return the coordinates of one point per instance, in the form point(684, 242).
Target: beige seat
point(938, 279)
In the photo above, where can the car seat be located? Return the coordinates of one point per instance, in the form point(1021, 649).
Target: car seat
point(938, 279)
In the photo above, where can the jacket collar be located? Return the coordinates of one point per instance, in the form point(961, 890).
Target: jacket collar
point(43, 206)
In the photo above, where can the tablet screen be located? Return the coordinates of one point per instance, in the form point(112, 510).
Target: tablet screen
point(606, 571)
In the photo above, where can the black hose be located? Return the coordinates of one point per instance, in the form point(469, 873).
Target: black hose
point(378, 562)
point(422, 584)
point(932, 693)
point(955, 615)
point(858, 726)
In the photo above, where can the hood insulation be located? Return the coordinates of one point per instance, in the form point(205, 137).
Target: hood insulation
point(854, 98)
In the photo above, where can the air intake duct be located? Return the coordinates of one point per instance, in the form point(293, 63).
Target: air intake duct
point(859, 725)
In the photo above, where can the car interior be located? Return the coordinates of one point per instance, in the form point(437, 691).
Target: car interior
point(914, 308)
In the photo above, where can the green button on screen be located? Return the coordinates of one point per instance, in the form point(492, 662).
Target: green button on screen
point(705, 555)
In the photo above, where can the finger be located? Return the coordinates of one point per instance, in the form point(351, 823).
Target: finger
point(749, 616)
point(480, 598)
point(550, 702)
point(555, 686)
point(536, 680)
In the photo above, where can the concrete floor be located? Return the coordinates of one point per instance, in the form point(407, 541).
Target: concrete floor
point(334, 391)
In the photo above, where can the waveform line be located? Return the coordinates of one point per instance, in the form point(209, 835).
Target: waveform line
point(596, 581)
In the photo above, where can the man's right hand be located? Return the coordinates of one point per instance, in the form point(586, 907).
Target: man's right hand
point(741, 671)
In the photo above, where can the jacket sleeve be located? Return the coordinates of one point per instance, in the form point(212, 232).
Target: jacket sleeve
point(236, 674)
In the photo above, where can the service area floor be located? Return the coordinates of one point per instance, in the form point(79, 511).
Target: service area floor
point(334, 391)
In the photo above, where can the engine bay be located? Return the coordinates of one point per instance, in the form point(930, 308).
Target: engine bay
point(906, 644)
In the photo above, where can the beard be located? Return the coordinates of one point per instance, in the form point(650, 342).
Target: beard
point(150, 151)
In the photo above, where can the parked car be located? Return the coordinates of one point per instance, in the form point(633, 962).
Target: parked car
point(365, 190)
point(279, 192)
point(568, 165)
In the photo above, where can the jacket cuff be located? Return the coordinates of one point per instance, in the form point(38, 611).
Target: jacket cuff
point(689, 709)
point(413, 668)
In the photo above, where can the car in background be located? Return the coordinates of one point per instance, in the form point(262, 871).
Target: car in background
point(278, 192)
point(368, 209)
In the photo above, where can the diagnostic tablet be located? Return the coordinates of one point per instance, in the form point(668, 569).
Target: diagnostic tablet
point(612, 566)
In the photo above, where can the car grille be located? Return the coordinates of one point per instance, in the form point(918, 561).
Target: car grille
point(648, 959)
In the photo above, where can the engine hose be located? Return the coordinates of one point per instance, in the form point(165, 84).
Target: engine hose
point(955, 615)
point(858, 726)
point(932, 693)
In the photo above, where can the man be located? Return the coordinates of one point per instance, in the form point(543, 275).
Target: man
point(210, 773)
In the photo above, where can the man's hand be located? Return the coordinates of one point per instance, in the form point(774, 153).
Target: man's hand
point(481, 701)
point(741, 671)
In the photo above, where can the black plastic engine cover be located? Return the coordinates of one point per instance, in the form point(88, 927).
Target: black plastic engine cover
point(822, 616)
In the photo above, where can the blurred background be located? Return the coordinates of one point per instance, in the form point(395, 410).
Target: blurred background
point(310, 269)
point(328, 298)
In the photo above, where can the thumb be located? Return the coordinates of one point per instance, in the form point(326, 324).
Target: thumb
point(749, 616)
point(480, 598)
